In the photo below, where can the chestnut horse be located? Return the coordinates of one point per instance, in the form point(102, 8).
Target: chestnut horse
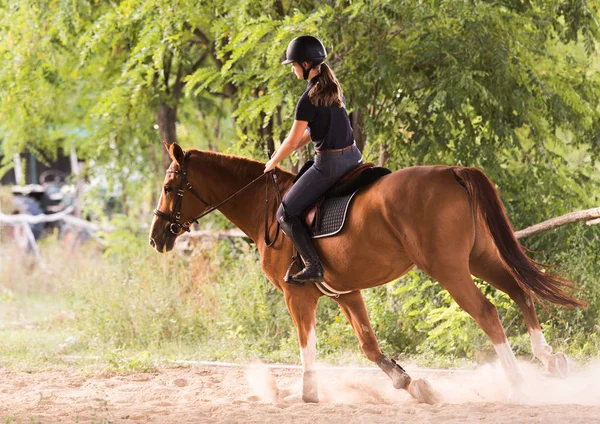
point(447, 221)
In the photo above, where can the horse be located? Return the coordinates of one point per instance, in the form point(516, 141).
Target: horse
point(448, 221)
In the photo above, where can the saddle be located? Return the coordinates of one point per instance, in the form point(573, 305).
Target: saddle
point(327, 215)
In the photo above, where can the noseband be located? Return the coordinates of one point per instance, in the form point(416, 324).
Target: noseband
point(176, 227)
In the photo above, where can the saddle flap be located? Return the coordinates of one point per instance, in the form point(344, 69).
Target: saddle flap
point(310, 215)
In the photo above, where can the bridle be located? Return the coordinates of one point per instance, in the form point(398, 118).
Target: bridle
point(177, 227)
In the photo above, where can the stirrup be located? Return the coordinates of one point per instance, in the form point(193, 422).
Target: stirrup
point(289, 278)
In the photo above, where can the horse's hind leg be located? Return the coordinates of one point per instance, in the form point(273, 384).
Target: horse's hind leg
point(453, 274)
point(353, 307)
point(488, 266)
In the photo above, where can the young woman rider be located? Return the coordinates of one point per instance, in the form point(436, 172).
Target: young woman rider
point(320, 117)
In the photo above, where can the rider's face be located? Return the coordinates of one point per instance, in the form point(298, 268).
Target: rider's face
point(297, 69)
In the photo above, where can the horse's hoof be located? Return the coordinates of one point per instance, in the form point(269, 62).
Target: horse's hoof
point(293, 398)
point(310, 393)
point(517, 396)
point(422, 391)
point(558, 365)
point(310, 398)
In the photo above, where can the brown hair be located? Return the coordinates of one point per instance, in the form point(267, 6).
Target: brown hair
point(327, 91)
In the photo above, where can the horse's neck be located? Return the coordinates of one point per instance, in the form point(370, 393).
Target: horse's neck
point(228, 174)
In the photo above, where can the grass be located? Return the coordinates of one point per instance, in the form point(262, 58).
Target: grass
point(137, 310)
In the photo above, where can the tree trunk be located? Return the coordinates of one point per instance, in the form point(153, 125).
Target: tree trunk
point(166, 118)
point(278, 122)
point(214, 146)
point(78, 181)
point(167, 108)
point(356, 120)
point(267, 134)
point(384, 155)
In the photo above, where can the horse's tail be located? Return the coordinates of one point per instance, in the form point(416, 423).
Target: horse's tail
point(487, 206)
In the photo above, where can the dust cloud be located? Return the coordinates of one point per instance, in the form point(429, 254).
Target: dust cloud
point(484, 384)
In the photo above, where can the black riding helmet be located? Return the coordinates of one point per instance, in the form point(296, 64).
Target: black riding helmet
point(305, 48)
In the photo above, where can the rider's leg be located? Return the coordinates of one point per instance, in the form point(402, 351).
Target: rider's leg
point(309, 187)
point(298, 234)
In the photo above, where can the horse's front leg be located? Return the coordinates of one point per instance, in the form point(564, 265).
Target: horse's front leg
point(353, 306)
point(302, 304)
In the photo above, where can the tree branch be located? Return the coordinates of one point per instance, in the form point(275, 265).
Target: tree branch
point(209, 47)
point(196, 65)
point(589, 215)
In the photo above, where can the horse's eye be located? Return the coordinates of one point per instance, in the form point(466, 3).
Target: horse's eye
point(168, 189)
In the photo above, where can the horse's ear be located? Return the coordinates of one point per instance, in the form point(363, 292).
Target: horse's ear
point(176, 153)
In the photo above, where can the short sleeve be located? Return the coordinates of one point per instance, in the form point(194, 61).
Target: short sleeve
point(305, 110)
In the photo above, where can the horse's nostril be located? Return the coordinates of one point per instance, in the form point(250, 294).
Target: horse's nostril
point(152, 243)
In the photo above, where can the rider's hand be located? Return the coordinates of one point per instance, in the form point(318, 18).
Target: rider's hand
point(271, 164)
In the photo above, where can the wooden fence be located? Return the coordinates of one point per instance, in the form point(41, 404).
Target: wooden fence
point(22, 221)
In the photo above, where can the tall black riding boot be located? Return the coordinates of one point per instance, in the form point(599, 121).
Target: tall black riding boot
point(296, 231)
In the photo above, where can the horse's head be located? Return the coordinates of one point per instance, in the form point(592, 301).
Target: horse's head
point(179, 202)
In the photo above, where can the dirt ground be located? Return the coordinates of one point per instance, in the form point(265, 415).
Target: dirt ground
point(214, 394)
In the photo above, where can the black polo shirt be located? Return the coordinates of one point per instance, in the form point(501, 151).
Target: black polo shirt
point(329, 126)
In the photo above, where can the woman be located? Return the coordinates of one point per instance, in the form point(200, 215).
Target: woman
point(320, 117)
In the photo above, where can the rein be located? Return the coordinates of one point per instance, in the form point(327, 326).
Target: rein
point(176, 227)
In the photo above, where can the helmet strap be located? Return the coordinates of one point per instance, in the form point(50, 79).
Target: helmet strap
point(305, 71)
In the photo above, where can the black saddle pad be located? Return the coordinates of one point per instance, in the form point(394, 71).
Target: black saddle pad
point(332, 216)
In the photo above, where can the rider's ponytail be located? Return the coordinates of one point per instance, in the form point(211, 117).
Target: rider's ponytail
point(327, 91)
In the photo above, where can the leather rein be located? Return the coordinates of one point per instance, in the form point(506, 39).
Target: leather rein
point(177, 227)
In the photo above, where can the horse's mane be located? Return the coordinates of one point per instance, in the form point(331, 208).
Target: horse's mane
point(238, 165)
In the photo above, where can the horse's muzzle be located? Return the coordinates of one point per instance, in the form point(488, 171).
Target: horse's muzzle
point(160, 239)
point(162, 246)
point(156, 246)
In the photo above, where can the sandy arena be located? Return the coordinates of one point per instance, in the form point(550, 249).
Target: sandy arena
point(214, 394)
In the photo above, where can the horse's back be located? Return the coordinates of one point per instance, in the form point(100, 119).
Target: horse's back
point(393, 220)
point(418, 189)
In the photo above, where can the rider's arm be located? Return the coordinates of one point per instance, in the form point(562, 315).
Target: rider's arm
point(291, 143)
point(305, 139)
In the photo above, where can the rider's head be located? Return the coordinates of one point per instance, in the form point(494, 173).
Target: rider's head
point(307, 53)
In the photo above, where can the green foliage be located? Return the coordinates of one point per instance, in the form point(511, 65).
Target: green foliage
point(458, 75)
point(500, 85)
point(576, 250)
point(248, 311)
